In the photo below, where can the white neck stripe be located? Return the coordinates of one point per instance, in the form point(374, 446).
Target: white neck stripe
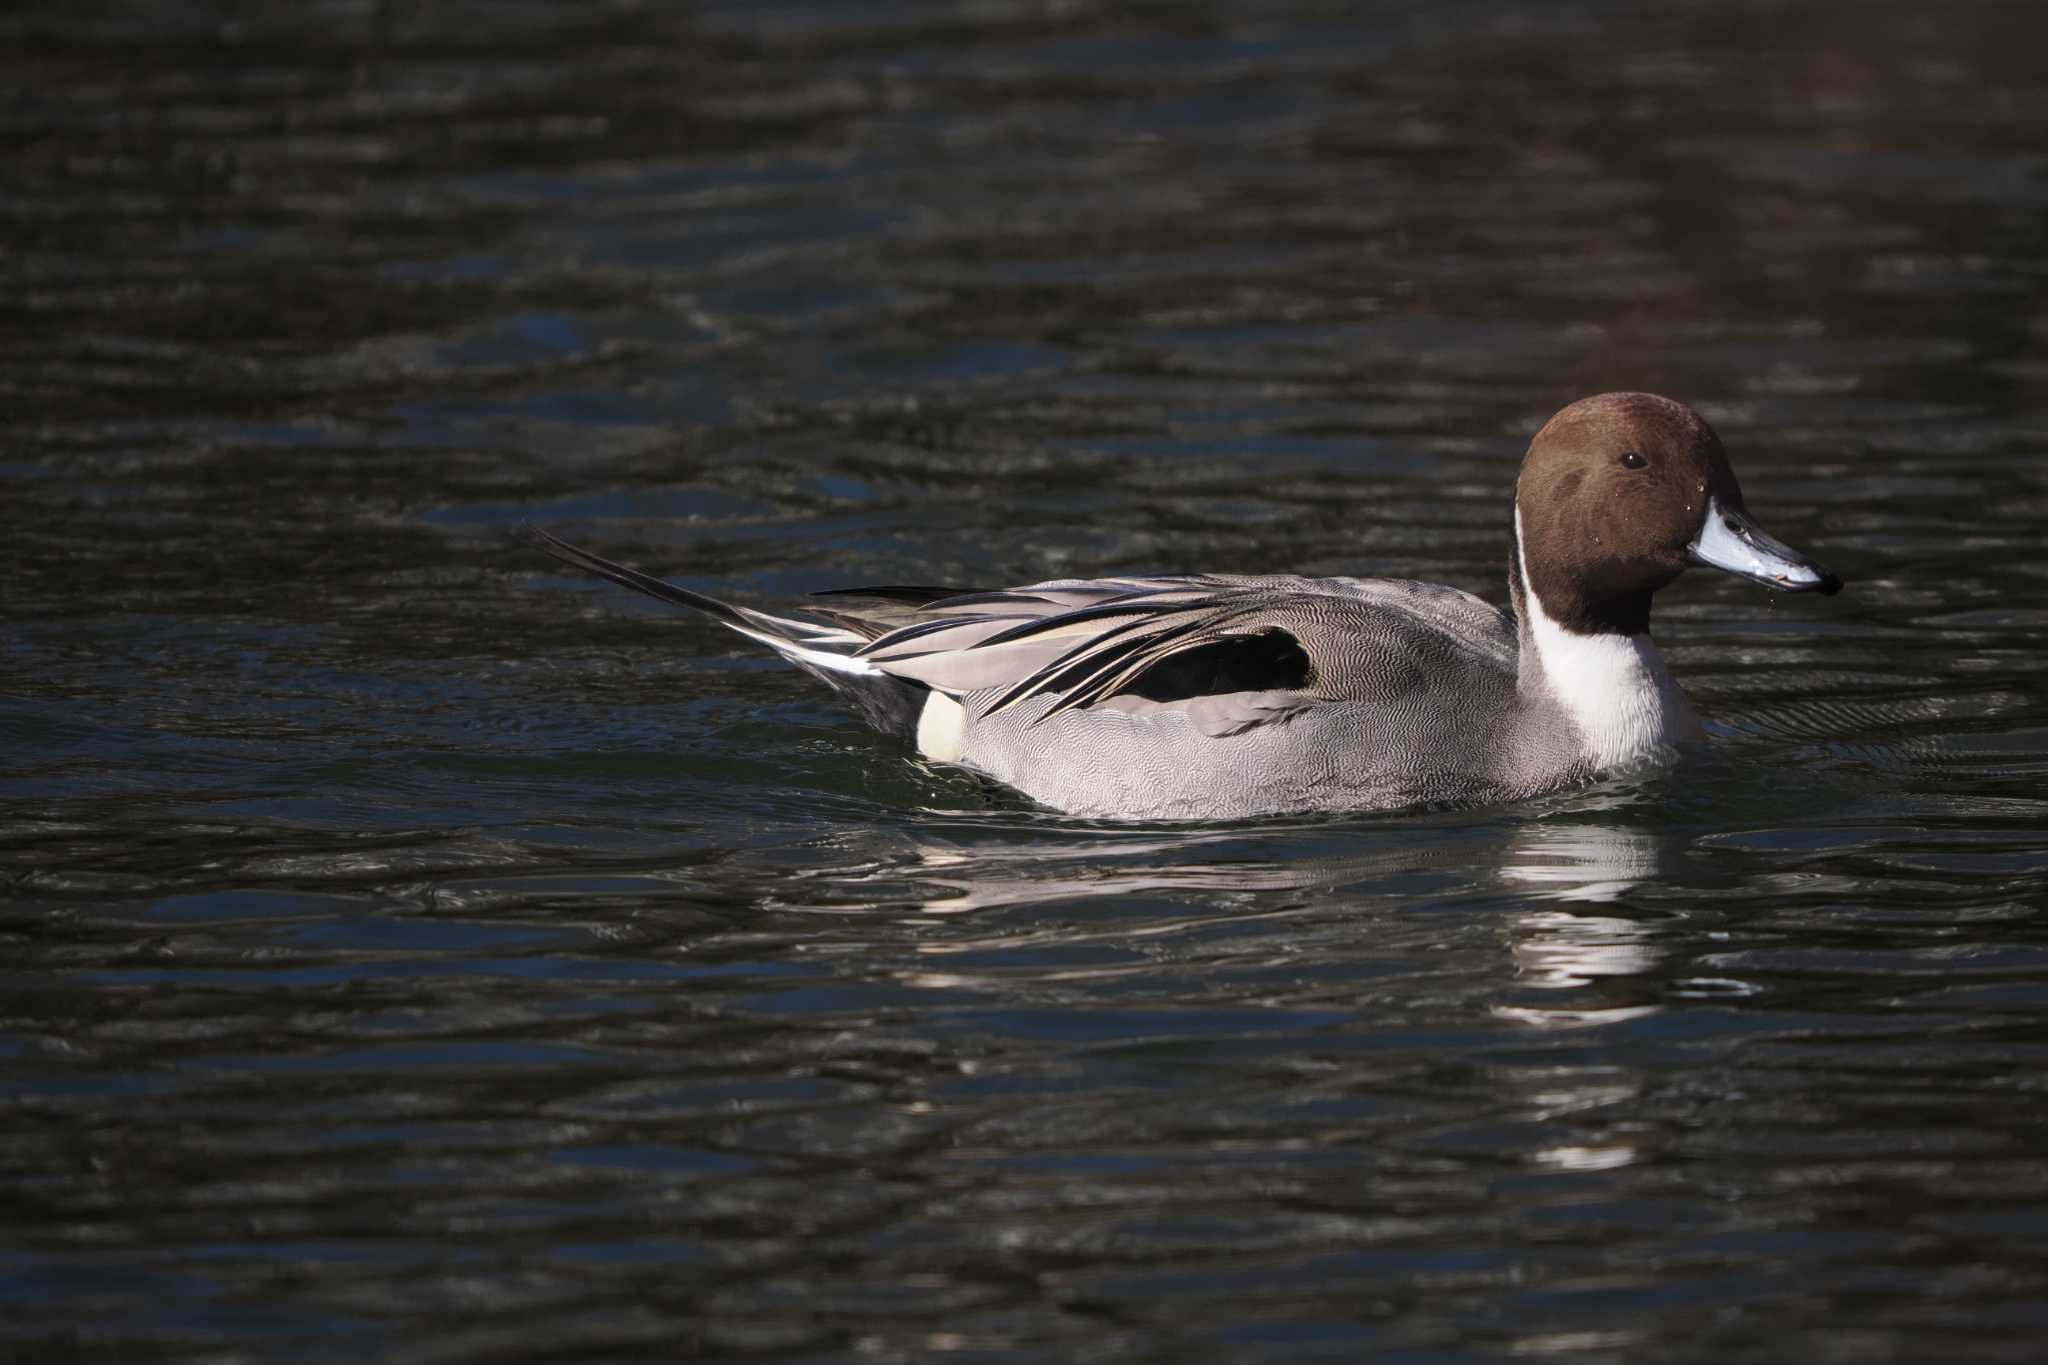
point(1625, 703)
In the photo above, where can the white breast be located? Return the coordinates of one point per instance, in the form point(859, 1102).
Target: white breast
point(1615, 688)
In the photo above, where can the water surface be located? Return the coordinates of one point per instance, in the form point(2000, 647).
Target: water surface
point(415, 953)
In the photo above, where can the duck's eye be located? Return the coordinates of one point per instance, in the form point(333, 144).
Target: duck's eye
point(1631, 459)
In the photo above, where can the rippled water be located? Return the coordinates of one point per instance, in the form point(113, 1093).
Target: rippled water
point(415, 953)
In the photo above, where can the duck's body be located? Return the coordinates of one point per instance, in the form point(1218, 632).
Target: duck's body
point(1414, 702)
point(1215, 697)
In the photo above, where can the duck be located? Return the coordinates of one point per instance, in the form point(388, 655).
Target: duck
point(1228, 696)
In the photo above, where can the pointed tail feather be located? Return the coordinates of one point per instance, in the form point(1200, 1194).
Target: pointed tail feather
point(768, 629)
point(891, 704)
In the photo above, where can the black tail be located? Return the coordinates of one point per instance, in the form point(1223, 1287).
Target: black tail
point(632, 578)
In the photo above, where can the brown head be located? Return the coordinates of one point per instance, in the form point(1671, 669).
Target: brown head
point(1617, 494)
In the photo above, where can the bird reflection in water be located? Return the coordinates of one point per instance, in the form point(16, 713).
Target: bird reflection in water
point(1581, 963)
point(1226, 869)
point(1557, 948)
point(1578, 957)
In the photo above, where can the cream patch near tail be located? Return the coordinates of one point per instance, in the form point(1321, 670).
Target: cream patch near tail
point(941, 728)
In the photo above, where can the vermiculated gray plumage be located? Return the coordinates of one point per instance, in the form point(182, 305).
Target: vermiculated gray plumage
point(1383, 695)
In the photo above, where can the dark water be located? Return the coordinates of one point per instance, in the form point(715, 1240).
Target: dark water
point(414, 953)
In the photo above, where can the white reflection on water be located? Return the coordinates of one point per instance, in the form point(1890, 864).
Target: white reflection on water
point(1232, 870)
point(1577, 1158)
point(962, 881)
point(1564, 949)
point(1597, 964)
point(1582, 862)
point(1568, 935)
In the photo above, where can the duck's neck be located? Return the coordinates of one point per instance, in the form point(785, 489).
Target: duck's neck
point(1613, 687)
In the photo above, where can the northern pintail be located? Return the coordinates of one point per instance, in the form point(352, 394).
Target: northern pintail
point(1219, 696)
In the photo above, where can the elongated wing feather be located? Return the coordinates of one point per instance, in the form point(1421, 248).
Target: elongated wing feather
point(1232, 653)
